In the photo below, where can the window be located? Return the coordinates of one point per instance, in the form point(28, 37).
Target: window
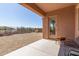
point(52, 25)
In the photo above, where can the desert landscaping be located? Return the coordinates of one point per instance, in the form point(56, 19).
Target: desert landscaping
point(16, 41)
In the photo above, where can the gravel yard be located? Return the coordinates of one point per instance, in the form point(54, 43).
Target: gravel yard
point(16, 41)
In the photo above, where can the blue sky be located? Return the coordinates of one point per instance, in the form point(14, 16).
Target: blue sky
point(15, 15)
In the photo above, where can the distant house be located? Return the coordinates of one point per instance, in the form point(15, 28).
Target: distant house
point(38, 29)
point(6, 30)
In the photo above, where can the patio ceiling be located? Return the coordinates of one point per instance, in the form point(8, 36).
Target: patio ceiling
point(44, 8)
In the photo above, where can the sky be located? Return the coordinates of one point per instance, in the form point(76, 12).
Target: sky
point(15, 15)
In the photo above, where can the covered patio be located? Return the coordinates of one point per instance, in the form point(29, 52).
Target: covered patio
point(64, 17)
point(66, 25)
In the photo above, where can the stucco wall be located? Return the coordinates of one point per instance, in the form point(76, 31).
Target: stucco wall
point(65, 21)
point(76, 22)
point(45, 27)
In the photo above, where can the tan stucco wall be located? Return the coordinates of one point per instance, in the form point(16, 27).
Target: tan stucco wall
point(45, 27)
point(76, 22)
point(65, 22)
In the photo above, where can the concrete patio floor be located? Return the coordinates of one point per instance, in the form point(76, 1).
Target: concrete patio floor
point(41, 47)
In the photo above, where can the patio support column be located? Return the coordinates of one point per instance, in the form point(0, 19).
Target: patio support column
point(46, 27)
